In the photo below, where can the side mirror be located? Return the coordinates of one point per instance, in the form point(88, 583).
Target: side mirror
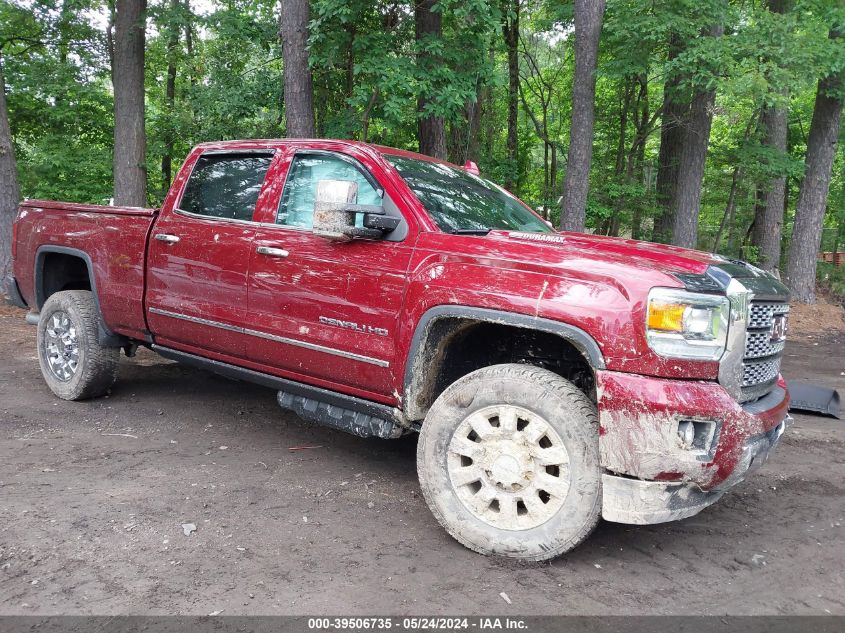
point(336, 209)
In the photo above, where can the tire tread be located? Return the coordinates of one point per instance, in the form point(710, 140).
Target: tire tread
point(99, 369)
point(579, 403)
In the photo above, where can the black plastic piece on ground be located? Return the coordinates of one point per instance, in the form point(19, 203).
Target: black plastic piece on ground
point(805, 396)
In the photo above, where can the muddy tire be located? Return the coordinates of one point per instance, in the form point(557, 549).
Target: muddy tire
point(74, 365)
point(508, 462)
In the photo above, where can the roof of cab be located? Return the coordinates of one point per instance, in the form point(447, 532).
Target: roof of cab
point(273, 143)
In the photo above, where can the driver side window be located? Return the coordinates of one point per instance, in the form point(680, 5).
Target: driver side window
point(297, 205)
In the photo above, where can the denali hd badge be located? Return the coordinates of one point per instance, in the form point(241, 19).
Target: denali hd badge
point(351, 325)
point(778, 328)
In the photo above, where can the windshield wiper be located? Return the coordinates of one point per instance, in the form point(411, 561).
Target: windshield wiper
point(470, 231)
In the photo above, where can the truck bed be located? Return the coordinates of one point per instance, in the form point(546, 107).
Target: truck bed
point(112, 240)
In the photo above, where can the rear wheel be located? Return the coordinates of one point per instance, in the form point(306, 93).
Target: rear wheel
point(74, 365)
point(508, 462)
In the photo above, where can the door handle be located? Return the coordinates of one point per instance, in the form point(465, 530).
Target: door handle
point(167, 238)
point(272, 252)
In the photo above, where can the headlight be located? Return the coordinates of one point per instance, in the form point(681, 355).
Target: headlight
point(682, 324)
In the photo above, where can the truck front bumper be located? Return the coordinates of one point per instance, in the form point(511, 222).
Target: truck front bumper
point(650, 475)
point(627, 500)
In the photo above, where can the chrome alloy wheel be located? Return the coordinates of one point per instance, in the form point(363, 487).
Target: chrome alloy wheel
point(509, 467)
point(61, 346)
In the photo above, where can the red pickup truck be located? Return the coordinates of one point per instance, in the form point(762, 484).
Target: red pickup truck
point(553, 378)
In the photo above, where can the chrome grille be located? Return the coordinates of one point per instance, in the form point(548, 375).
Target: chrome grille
point(760, 373)
point(761, 362)
point(762, 313)
point(759, 344)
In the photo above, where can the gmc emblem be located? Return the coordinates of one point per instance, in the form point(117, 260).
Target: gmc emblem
point(779, 328)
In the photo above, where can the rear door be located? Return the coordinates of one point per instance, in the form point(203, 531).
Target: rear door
point(327, 312)
point(199, 254)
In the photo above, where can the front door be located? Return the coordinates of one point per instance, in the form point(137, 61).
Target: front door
point(327, 311)
point(199, 255)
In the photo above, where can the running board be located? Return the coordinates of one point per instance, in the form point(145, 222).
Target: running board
point(328, 408)
point(341, 418)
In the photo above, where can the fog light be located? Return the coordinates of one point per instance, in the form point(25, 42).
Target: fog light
point(698, 436)
point(686, 433)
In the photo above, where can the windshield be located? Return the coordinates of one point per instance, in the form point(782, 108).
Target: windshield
point(460, 202)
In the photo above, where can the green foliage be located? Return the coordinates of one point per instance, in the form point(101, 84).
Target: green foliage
point(55, 64)
point(369, 74)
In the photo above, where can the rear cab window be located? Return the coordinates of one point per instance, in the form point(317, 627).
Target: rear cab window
point(226, 185)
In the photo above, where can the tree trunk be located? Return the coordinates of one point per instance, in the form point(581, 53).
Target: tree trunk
point(9, 193)
point(769, 221)
point(130, 142)
point(298, 84)
point(487, 109)
point(365, 116)
point(432, 129)
point(573, 207)
point(687, 199)
point(432, 133)
point(463, 134)
point(189, 43)
point(625, 105)
point(643, 129)
point(170, 99)
point(696, 139)
point(620, 171)
point(546, 193)
point(730, 209)
point(812, 197)
point(674, 116)
point(510, 31)
point(349, 86)
point(473, 110)
point(541, 127)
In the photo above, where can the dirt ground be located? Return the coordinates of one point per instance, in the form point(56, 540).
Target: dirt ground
point(93, 496)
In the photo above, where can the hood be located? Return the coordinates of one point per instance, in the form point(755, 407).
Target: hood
point(662, 258)
point(698, 271)
point(630, 266)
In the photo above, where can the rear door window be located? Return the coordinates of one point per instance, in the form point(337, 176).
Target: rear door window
point(226, 185)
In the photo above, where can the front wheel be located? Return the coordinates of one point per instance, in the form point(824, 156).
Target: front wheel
point(508, 462)
point(74, 364)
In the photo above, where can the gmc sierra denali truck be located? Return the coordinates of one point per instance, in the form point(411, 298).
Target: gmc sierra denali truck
point(553, 378)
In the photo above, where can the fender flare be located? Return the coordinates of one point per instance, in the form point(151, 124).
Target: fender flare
point(105, 335)
point(581, 340)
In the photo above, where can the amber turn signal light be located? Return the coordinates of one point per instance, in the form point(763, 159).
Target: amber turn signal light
point(666, 317)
